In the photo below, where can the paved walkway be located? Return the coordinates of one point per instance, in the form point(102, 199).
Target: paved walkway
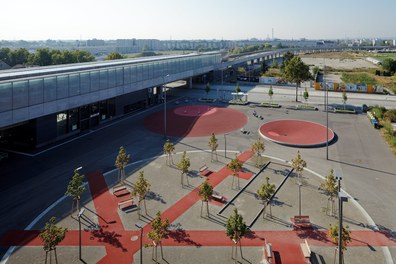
point(120, 248)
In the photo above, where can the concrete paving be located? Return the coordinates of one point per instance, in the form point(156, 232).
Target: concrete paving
point(366, 162)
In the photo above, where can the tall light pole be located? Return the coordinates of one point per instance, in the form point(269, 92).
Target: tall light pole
point(326, 92)
point(342, 197)
point(79, 232)
point(141, 241)
point(225, 145)
point(164, 91)
point(299, 198)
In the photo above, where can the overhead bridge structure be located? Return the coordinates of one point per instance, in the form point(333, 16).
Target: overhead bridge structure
point(40, 105)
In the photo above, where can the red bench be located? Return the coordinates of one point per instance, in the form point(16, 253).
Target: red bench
point(218, 198)
point(301, 222)
point(120, 191)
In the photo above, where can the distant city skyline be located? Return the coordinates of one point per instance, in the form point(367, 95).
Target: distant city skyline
point(192, 20)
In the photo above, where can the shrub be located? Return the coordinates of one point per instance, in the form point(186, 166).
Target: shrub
point(390, 115)
point(378, 111)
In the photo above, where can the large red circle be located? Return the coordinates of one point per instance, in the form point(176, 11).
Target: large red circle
point(195, 121)
point(297, 133)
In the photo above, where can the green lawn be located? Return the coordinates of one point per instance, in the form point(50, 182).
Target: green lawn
point(357, 78)
point(382, 56)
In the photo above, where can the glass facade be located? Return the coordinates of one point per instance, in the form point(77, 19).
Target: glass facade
point(16, 94)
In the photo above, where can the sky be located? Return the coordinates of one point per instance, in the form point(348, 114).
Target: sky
point(199, 19)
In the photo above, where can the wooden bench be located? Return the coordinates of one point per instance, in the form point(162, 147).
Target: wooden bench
point(120, 191)
point(301, 222)
point(206, 173)
point(203, 168)
point(268, 254)
point(305, 249)
point(218, 198)
point(127, 205)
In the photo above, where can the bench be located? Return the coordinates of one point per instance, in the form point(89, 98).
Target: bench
point(120, 191)
point(268, 254)
point(127, 205)
point(218, 198)
point(305, 249)
point(301, 221)
point(203, 168)
point(206, 173)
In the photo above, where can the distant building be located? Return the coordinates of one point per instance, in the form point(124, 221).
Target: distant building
point(95, 42)
point(394, 42)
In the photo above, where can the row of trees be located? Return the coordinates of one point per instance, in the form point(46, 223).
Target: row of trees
point(44, 56)
point(235, 226)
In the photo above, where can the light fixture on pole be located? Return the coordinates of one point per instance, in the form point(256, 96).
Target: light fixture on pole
point(141, 241)
point(225, 145)
point(79, 231)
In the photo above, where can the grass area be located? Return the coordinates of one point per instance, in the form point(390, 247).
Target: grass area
point(382, 56)
point(273, 72)
point(361, 77)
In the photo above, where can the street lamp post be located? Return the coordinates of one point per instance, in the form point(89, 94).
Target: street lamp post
point(342, 197)
point(164, 91)
point(141, 241)
point(225, 145)
point(79, 232)
point(299, 198)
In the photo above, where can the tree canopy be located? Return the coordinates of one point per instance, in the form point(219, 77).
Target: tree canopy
point(213, 145)
point(52, 235)
point(296, 71)
point(158, 229)
point(298, 164)
point(121, 162)
point(75, 187)
point(236, 227)
point(114, 56)
point(346, 235)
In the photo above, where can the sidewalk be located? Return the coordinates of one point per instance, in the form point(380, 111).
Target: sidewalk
point(195, 239)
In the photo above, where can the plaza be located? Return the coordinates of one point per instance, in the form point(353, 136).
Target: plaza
point(194, 238)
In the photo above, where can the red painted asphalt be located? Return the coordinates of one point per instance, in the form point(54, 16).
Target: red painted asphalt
point(196, 121)
point(296, 132)
point(120, 248)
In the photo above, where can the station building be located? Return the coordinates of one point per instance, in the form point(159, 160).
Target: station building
point(41, 105)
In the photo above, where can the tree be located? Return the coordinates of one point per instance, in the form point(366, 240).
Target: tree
point(237, 89)
point(205, 192)
point(275, 64)
point(389, 65)
point(213, 145)
point(76, 188)
point(114, 56)
point(270, 93)
point(121, 162)
point(286, 59)
point(19, 56)
point(330, 187)
point(207, 89)
point(296, 71)
point(5, 55)
point(51, 236)
point(346, 238)
point(41, 57)
point(184, 165)
point(169, 147)
point(235, 166)
point(265, 192)
point(140, 189)
point(306, 95)
point(236, 229)
point(298, 164)
point(258, 147)
point(158, 232)
point(315, 70)
point(344, 98)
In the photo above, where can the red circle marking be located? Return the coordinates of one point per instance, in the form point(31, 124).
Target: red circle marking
point(296, 133)
point(196, 121)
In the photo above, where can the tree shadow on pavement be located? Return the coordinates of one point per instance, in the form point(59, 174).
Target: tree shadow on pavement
point(320, 235)
point(155, 196)
point(111, 238)
point(180, 236)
